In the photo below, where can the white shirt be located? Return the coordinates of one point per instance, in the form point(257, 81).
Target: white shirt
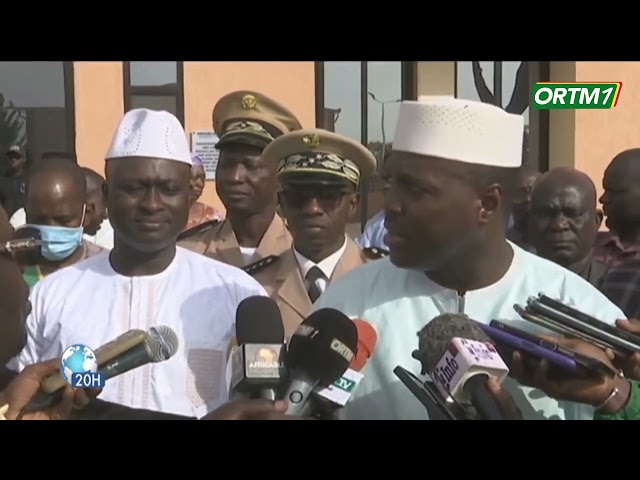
point(374, 232)
point(326, 266)
point(103, 238)
point(248, 253)
point(89, 303)
point(104, 235)
point(400, 302)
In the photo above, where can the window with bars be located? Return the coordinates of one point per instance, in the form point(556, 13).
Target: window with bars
point(37, 107)
point(509, 85)
point(154, 85)
point(361, 101)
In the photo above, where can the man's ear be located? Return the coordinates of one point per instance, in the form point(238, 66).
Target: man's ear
point(599, 217)
point(89, 214)
point(354, 202)
point(490, 202)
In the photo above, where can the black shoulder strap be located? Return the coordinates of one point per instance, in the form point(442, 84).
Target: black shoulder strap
point(374, 253)
point(261, 264)
point(197, 229)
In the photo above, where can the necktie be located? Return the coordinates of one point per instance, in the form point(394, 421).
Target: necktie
point(314, 291)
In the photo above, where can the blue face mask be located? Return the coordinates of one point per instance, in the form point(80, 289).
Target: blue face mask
point(59, 243)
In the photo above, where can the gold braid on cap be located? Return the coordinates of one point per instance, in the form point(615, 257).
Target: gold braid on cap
point(316, 162)
point(247, 127)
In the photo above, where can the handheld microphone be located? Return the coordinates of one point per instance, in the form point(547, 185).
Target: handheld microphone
point(257, 364)
point(320, 352)
point(127, 352)
point(326, 401)
point(459, 357)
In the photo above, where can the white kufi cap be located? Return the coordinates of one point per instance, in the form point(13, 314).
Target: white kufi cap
point(462, 130)
point(152, 134)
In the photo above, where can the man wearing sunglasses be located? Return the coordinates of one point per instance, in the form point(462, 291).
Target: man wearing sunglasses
point(319, 173)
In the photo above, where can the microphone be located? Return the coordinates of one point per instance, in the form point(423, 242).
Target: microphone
point(257, 364)
point(459, 357)
point(320, 352)
point(327, 401)
point(127, 352)
point(367, 340)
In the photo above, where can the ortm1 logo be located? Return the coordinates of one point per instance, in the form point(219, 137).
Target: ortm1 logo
point(576, 95)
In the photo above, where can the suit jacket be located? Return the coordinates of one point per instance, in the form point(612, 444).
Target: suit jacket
point(283, 281)
point(219, 242)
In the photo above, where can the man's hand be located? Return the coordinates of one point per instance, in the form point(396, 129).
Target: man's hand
point(252, 410)
point(629, 365)
point(507, 406)
point(25, 386)
point(591, 390)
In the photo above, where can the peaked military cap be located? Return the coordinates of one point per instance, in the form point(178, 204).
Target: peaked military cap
point(251, 118)
point(316, 156)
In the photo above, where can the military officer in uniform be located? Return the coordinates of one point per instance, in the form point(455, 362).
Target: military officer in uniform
point(319, 173)
point(246, 122)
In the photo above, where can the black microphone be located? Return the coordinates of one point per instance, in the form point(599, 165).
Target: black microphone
point(135, 349)
point(320, 351)
point(257, 363)
point(459, 357)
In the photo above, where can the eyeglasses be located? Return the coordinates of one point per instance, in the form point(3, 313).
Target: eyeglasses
point(328, 198)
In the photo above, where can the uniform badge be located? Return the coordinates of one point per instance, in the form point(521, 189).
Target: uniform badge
point(249, 102)
point(312, 140)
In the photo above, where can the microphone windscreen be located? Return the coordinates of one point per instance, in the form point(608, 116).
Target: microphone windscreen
point(258, 320)
point(367, 339)
point(323, 346)
point(435, 336)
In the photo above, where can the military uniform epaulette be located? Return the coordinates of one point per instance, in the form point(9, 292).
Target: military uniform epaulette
point(375, 253)
point(198, 229)
point(261, 264)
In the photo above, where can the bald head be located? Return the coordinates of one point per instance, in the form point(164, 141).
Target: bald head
point(94, 180)
point(564, 178)
point(621, 198)
point(627, 161)
point(56, 194)
point(564, 219)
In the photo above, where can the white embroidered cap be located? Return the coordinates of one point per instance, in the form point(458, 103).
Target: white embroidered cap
point(462, 130)
point(152, 134)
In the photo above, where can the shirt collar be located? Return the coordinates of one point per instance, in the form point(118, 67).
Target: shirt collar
point(326, 266)
point(609, 239)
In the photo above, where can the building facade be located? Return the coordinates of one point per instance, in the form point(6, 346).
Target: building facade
point(73, 107)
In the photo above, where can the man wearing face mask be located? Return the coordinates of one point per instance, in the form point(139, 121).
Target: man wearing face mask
point(56, 205)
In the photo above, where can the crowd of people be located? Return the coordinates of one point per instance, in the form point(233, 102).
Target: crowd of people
point(467, 228)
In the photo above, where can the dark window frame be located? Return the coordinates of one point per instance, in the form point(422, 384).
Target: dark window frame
point(68, 84)
point(541, 121)
point(69, 105)
point(409, 91)
point(172, 90)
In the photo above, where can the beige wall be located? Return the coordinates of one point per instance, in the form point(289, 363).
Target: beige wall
point(436, 78)
point(292, 83)
point(99, 99)
point(99, 103)
point(587, 139)
point(601, 134)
